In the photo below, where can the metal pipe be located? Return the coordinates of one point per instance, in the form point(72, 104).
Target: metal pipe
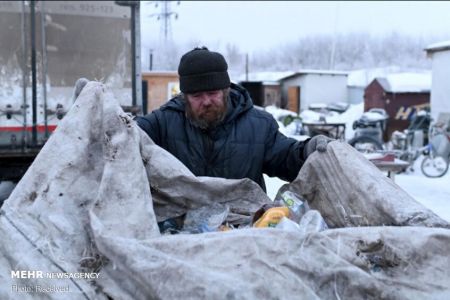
point(136, 79)
point(24, 74)
point(33, 72)
point(44, 67)
point(133, 54)
point(137, 59)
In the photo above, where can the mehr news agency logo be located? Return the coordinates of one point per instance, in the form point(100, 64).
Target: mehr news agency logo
point(36, 288)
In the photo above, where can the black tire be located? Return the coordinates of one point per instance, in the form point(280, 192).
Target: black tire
point(365, 140)
point(428, 167)
point(6, 187)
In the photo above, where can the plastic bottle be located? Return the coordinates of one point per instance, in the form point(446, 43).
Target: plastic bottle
point(297, 206)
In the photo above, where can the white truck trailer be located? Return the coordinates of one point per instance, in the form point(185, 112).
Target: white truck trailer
point(45, 47)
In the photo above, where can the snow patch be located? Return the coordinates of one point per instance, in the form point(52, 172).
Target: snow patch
point(409, 82)
point(362, 77)
point(398, 80)
point(444, 45)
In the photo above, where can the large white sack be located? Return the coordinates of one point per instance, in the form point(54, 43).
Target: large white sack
point(86, 205)
point(349, 190)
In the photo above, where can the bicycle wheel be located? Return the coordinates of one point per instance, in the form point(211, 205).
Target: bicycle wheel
point(365, 144)
point(434, 167)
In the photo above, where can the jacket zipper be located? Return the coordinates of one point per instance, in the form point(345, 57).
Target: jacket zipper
point(209, 146)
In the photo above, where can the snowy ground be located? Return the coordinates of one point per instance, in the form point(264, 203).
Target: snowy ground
point(433, 193)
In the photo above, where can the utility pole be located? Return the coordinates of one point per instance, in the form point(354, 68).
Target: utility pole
point(150, 63)
point(165, 15)
point(246, 66)
point(333, 45)
point(33, 73)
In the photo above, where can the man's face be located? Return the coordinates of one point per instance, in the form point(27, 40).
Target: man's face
point(206, 109)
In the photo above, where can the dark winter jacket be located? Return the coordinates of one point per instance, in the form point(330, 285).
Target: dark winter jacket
point(246, 144)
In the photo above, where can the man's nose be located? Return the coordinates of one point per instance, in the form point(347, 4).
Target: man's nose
point(206, 100)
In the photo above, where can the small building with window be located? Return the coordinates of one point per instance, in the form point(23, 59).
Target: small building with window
point(296, 91)
point(303, 88)
point(263, 87)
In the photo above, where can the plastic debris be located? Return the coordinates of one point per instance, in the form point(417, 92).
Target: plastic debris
point(272, 217)
point(296, 205)
point(206, 218)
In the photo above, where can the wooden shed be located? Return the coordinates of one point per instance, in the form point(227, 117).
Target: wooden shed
point(263, 93)
point(161, 86)
point(401, 95)
point(264, 87)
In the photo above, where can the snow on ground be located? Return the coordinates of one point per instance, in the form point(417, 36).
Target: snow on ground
point(433, 193)
point(278, 112)
point(353, 113)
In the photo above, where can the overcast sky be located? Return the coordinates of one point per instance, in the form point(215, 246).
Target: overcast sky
point(261, 25)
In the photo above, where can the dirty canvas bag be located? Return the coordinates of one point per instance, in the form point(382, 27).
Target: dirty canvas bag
point(88, 203)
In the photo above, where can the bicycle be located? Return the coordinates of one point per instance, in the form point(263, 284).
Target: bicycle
point(410, 143)
point(437, 153)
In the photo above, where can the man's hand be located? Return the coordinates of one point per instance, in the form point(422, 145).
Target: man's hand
point(319, 143)
point(79, 85)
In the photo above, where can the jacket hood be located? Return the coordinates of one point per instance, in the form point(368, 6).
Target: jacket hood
point(239, 101)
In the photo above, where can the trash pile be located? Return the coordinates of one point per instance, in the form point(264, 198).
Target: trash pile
point(289, 212)
point(100, 191)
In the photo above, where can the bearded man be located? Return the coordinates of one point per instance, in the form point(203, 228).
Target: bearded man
point(213, 128)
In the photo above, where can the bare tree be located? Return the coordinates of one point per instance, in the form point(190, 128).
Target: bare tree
point(351, 51)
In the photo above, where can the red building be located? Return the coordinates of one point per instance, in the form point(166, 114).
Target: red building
point(401, 96)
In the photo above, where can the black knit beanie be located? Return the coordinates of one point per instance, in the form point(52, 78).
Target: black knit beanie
point(203, 70)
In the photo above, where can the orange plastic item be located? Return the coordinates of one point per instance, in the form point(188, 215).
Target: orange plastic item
point(272, 217)
point(224, 228)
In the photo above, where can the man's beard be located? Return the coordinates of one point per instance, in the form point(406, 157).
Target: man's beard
point(210, 118)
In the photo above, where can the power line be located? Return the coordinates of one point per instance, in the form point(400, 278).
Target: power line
point(165, 16)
